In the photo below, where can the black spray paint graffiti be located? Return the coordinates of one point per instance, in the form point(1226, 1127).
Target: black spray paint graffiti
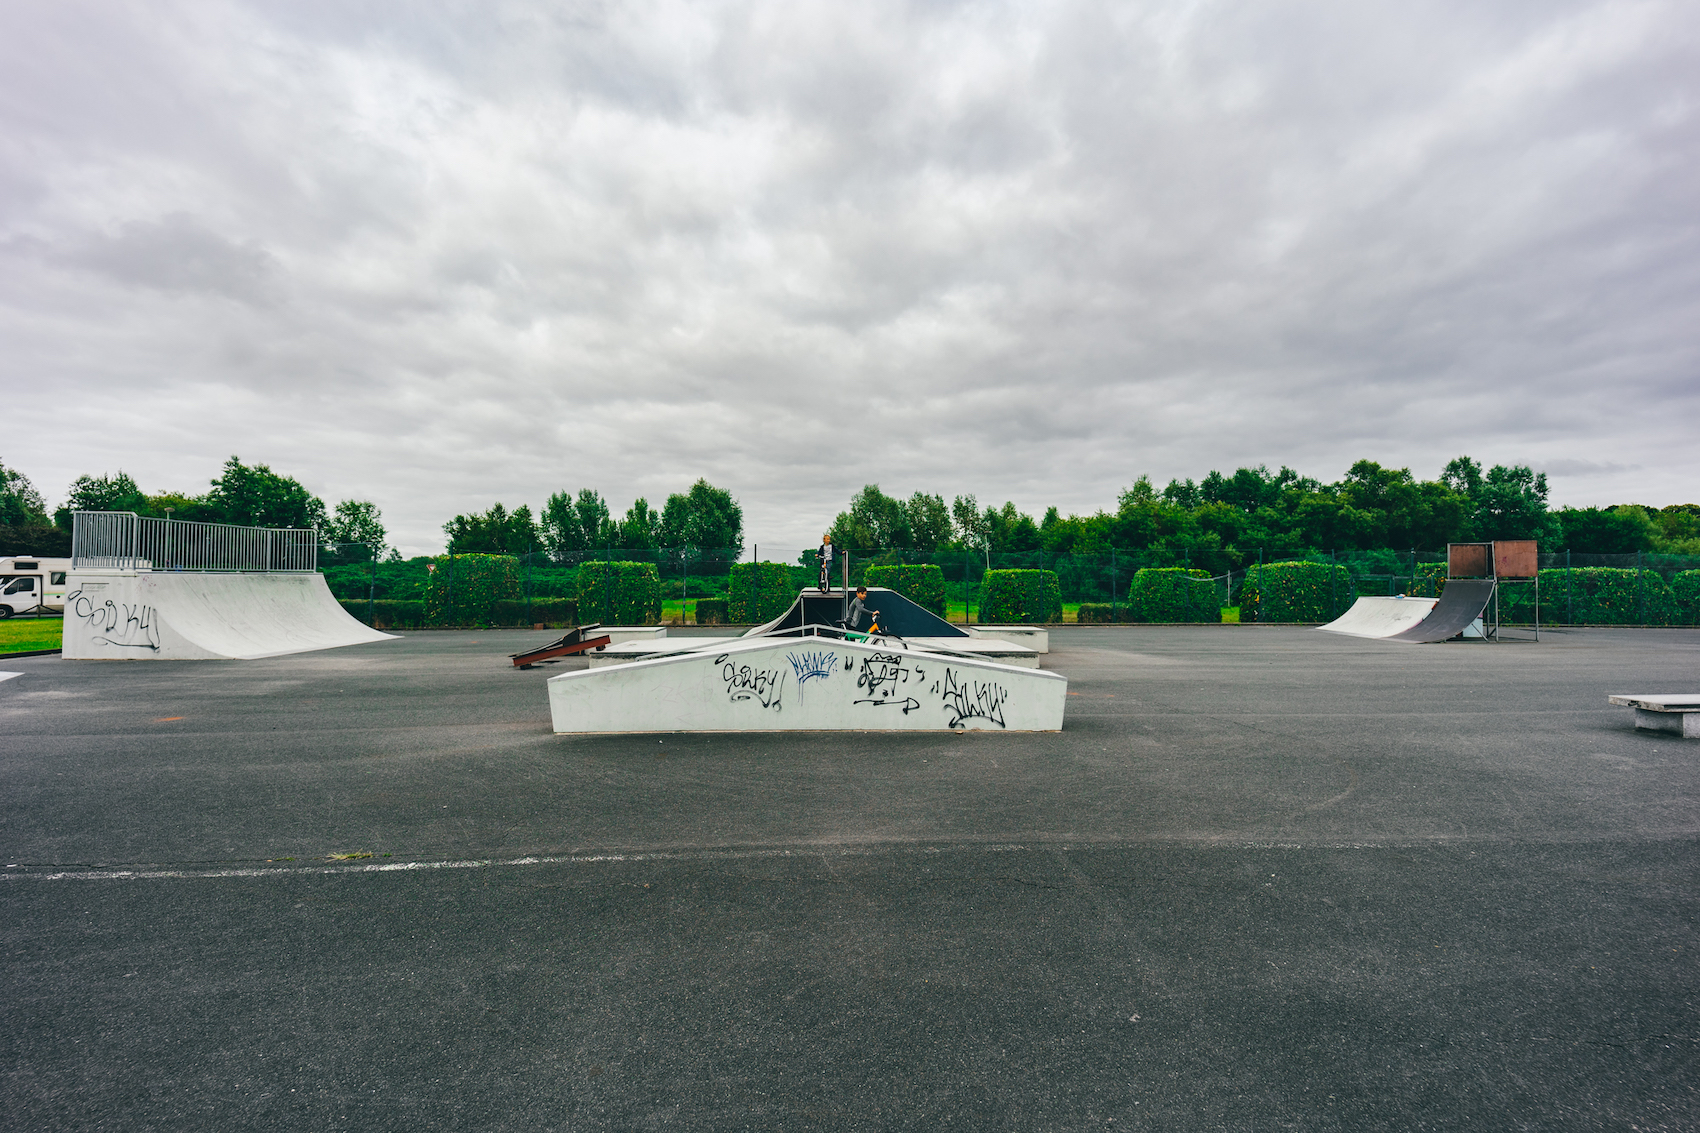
point(811, 665)
point(886, 679)
point(745, 682)
point(971, 700)
point(127, 627)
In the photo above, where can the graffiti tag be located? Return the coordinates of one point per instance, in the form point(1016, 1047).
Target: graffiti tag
point(127, 626)
point(746, 682)
point(972, 700)
point(811, 665)
point(884, 677)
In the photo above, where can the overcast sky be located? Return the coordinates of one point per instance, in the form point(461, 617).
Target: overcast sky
point(440, 255)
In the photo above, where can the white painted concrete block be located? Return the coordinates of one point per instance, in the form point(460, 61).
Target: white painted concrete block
point(807, 684)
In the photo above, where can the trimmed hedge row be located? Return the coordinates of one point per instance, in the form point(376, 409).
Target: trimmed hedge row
point(1099, 613)
point(1008, 596)
point(1685, 588)
point(711, 611)
point(468, 582)
point(922, 585)
point(1173, 594)
point(620, 594)
point(1599, 596)
point(1296, 592)
point(390, 613)
point(755, 593)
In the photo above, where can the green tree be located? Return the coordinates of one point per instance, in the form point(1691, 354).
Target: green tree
point(1605, 531)
point(929, 521)
point(358, 521)
point(494, 532)
point(638, 529)
point(562, 534)
point(595, 521)
point(970, 525)
point(102, 493)
point(875, 522)
point(706, 517)
point(1510, 504)
point(258, 497)
point(20, 504)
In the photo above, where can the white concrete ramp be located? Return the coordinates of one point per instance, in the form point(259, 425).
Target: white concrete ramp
point(1381, 617)
point(193, 615)
point(777, 684)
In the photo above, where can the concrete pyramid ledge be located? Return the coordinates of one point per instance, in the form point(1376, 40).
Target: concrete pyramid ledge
point(781, 684)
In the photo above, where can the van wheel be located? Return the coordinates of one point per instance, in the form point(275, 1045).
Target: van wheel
point(5, 612)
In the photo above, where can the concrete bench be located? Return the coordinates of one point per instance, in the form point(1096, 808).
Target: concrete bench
point(1675, 713)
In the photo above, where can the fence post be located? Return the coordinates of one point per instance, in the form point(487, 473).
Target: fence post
point(372, 587)
point(1114, 617)
point(528, 553)
point(1640, 594)
point(452, 612)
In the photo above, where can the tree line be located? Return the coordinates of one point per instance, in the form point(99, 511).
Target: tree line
point(1232, 517)
point(1254, 511)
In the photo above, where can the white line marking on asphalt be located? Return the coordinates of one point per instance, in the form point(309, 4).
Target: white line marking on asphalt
point(9, 676)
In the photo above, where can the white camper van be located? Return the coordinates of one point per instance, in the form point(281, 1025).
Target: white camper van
point(32, 586)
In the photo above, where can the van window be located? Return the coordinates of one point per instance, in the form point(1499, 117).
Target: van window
point(56, 578)
point(19, 564)
point(20, 586)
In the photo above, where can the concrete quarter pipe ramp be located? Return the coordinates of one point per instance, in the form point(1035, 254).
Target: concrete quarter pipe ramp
point(1381, 617)
point(167, 615)
point(807, 684)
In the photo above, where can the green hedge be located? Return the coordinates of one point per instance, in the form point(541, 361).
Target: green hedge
point(1173, 594)
point(1009, 596)
point(461, 587)
point(711, 611)
point(922, 585)
point(1685, 589)
point(1601, 596)
point(1295, 592)
point(411, 614)
point(1099, 613)
point(756, 593)
point(619, 594)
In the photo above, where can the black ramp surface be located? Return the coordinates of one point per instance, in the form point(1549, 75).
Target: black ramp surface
point(1462, 601)
point(898, 615)
point(1265, 879)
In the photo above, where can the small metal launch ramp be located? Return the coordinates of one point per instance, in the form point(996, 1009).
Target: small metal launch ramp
point(1461, 602)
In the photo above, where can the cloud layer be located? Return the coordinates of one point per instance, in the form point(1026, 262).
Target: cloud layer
point(438, 256)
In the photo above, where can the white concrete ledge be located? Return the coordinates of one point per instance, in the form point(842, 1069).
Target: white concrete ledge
point(1034, 638)
point(1678, 713)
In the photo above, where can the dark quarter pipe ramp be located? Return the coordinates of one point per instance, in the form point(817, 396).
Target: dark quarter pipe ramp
point(898, 615)
point(1462, 601)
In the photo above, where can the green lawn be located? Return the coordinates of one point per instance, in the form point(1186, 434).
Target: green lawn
point(21, 635)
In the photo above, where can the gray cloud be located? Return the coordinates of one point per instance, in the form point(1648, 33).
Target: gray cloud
point(1028, 252)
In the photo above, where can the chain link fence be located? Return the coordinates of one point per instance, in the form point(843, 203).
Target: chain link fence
point(1211, 586)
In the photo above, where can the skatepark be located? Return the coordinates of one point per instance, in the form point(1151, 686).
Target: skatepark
point(1263, 877)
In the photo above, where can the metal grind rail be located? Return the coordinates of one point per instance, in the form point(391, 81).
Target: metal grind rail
point(123, 540)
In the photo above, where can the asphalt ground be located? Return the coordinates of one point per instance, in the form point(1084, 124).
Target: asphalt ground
point(1265, 878)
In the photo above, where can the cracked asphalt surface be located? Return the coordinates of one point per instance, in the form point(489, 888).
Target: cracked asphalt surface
point(1266, 878)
